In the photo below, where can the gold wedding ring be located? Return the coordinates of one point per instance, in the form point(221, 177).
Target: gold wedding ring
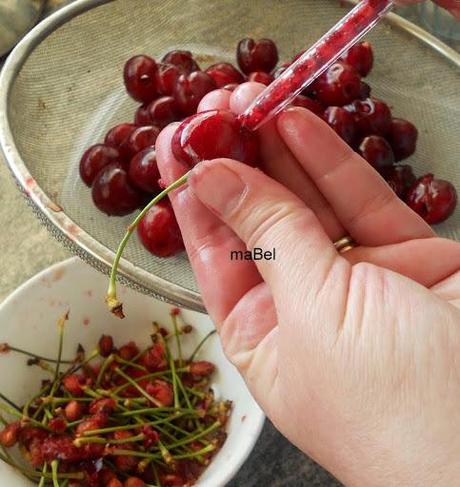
point(344, 244)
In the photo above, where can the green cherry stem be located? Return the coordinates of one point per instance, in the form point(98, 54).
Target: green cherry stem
point(198, 348)
point(115, 306)
point(138, 387)
point(54, 471)
point(43, 478)
point(10, 348)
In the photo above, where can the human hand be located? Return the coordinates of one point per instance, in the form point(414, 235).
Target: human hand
point(354, 357)
point(452, 5)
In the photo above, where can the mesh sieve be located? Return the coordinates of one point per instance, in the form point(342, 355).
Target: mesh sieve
point(62, 89)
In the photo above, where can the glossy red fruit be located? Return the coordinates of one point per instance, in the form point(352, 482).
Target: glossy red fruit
point(94, 159)
point(339, 85)
point(73, 383)
point(73, 411)
point(377, 152)
point(400, 178)
point(166, 78)
point(182, 59)
point(224, 74)
point(113, 193)
point(190, 89)
point(261, 55)
point(306, 102)
point(10, 433)
point(403, 138)
point(361, 57)
point(140, 78)
point(261, 77)
point(118, 134)
point(142, 116)
point(99, 420)
point(343, 123)
point(433, 199)
point(140, 139)
point(143, 171)
point(372, 116)
point(159, 231)
point(213, 134)
point(163, 111)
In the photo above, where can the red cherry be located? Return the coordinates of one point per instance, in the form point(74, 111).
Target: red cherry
point(163, 111)
point(400, 178)
point(118, 134)
point(140, 78)
point(159, 231)
point(261, 77)
point(143, 171)
point(343, 123)
point(182, 59)
point(142, 116)
point(224, 74)
point(361, 57)
point(306, 102)
point(261, 55)
point(364, 91)
point(377, 152)
point(166, 78)
point(403, 138)
point(94, 159)
point(339, 85)
point(372, 116)
point(190, 89)
point(212, 134)
point(433, 199)
point(140, 139)
point(112, 192)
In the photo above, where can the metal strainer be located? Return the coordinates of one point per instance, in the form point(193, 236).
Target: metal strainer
point(61, 89)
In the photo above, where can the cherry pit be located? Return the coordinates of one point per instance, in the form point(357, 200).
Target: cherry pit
point(122, 171)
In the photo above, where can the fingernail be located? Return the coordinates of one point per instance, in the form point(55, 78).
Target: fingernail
point(217, 186)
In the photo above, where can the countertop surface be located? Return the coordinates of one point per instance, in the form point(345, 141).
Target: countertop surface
point(27, 248)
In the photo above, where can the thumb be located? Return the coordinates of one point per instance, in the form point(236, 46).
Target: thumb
point(267, 216)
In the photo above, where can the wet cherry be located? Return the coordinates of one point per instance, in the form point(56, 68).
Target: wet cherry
point(118, 134)
point(212, 134)
point(343, 123)
point(400, 178)
point(182, 59)
point(372, 116)
point(364, 90)
point(159, 231)
point(261, 77)
point(166, 78)
point(94, 159)
point(224, 74)
point(163, 111)
point(433, 199)
point(377, 152)
point(113, 193)
point(142, 116)
point(140, 78)
point(306, 102)
point(143, 171)
point(261, 55)
point(403, 138)
point(190, 89)
point(361, 57)
point(140, 139)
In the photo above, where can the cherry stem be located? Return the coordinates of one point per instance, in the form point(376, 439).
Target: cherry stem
point(114, 305)
point(138, 387)
point(198, 347)
point(10, 348)
point(10, 402)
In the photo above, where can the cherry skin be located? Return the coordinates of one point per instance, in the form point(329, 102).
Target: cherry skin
point(166, 78)
point(94, 159)
point(213, 134)
point(112, 192)
point(372, 116)
point(140, 78)
point(403, 138)
point(118, 134)
point(306, 102)
point(190, 89)
point(433, 199)
point(361, 57)
point(143, 171)
point(224, 74)
point(163, 111)
point(231, 87)
point(400, 178)
point(364, 90)
point(339, 85)
point(142, 116)
point(159, 231)
point(261, 77)
point(343, 123)
point(182, 59)
point(377, 152)
point(261, 55)
point(140, 139)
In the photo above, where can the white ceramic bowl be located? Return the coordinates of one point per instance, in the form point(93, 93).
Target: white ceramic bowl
point(28, 320)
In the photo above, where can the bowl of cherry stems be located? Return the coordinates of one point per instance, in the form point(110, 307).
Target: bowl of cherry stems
point(101, 107)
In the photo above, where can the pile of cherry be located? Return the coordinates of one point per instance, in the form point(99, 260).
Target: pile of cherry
point(123, 172)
